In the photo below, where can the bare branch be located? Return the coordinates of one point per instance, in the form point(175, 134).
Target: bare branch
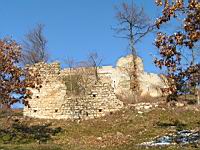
point(133, 22)
point(34, 46)
point(133, 25)
point(94, 61)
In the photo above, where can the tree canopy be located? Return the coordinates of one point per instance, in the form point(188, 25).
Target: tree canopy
point(182, 71)
point(14, 80)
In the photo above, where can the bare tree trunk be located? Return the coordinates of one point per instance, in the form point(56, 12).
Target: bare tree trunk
point(94, 61)
point(96, 73)
point(134, 24)
point(70, 78)
point(134, 79)
point(198, 97)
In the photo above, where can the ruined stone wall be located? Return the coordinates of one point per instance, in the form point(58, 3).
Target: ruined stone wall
point(52, 101)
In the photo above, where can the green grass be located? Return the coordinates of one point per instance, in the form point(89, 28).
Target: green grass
point(123, 130)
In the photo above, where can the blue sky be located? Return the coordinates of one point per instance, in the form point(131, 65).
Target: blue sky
point(74, 28)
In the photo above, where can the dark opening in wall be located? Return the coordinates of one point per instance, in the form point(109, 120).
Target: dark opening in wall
point(100, 110)
point(87, 113)
point(34, 111)
point(56, 110)
point(94, 95)
point(111, 113)
point(37, 96)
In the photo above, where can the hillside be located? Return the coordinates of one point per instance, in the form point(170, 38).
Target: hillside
point(125, 129)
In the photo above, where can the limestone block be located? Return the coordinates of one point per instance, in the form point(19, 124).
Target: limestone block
point(52, 101)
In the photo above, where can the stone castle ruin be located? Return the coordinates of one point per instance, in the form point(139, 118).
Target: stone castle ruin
point(55, 101)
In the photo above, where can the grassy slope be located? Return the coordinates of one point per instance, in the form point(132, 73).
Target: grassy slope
point(122, 130)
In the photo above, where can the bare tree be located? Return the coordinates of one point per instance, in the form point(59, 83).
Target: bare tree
point(82, 75)
point(88, 74)
point(71, 64)
point(134, 24)
point(35, 46)
point(94, 61)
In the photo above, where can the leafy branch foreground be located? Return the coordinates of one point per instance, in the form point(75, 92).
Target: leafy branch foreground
point(182, 74)
point(14, 80)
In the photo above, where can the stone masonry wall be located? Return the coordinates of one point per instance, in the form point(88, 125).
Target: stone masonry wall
point(52, 102)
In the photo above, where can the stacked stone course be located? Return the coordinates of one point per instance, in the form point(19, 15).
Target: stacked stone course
point(52, 102)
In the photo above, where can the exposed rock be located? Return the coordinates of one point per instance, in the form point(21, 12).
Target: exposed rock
point(119, 134)
point(179, 104)
point(127, 61)
point(150, 83)
point(140, 112)
point(53, 102)
point(145, 107)
point(99, 138)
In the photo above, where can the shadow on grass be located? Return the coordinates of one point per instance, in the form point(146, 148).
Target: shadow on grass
point(19, 133)
point(178, 124)
point(30, 147)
